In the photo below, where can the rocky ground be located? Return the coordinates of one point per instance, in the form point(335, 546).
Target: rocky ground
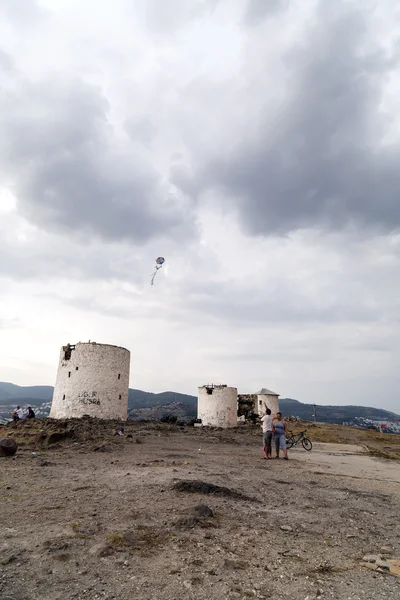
point(172, 513)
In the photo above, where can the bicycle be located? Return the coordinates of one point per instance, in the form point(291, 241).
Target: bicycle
point(295, 438)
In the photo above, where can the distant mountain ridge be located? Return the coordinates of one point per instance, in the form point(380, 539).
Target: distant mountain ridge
point(334, 414)
point(9, 391)
point(11, 394)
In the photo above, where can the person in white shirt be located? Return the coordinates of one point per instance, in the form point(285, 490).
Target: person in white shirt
point(18, 414)
point(266, 422)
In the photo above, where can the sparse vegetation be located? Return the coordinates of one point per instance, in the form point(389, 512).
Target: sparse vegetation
point(115, 539)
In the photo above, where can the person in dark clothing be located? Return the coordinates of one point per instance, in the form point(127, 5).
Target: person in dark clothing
point(31, 414)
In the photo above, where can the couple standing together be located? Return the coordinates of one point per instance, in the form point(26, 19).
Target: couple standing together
point(274, 426)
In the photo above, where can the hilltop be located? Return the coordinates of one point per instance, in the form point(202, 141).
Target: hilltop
point(145, 405)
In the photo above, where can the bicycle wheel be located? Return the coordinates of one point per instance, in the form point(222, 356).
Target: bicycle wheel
point(306, 443)
point(289, 442)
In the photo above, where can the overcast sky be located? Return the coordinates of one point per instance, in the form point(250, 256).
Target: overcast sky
point(253, 143)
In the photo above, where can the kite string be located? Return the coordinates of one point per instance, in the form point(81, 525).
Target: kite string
point(154, 274)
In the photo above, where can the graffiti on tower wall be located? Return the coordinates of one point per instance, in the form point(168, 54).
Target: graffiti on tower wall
point(89, 398)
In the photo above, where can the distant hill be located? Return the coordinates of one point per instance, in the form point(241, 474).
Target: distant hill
point(9, 391)
point(177, 409)
point(334, 414)
point(140, 399)
point(146, 404)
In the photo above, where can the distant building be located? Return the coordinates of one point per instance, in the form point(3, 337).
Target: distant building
point(217, 405)
point(254, 404)
point(221, 406)
point(269, 398)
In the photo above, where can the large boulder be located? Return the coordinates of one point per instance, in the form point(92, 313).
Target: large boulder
point(8, 447)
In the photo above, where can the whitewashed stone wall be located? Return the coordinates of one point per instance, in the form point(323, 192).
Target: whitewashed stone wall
point(218, 409)
point(94, 381)
point(271, 401)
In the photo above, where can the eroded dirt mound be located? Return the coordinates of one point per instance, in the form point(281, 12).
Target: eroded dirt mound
point(37, 433)
point(198, 516)
point(202, 487)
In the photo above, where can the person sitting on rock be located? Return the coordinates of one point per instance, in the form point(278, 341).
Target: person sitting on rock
point(31, 414)
point(17, 414)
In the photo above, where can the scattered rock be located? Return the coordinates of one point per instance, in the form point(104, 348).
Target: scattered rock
point(8, 447)
point(394, 562)
point(192, 522)
point(59, 436)
point(102, 448)
point(235, 565)
point(371, 566)
point(202, 510)
point(286, 528)
point(386, 550)
point(101, 549)
point(375, 563)
point(198, 517)
point(39, 439)
point(371, 558)
point(7, 558)
point(324, 567)
point(131, 539)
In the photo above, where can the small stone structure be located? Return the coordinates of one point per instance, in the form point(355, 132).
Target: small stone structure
point(217, 405)
point(254, 404)
point(271, 399)
point(92, 379)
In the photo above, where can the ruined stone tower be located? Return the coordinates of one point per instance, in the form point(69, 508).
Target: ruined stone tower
point(92, 379)
point(217, 405)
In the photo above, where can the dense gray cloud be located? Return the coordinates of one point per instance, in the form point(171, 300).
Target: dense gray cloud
point(320, 157)
point(280, 303)
point(69, 170)
point(53, 258)
point(257, 10)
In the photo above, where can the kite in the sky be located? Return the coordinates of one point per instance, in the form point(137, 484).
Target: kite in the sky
point(159, 263)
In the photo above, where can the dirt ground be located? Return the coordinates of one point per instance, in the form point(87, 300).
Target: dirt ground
point(90, 518)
